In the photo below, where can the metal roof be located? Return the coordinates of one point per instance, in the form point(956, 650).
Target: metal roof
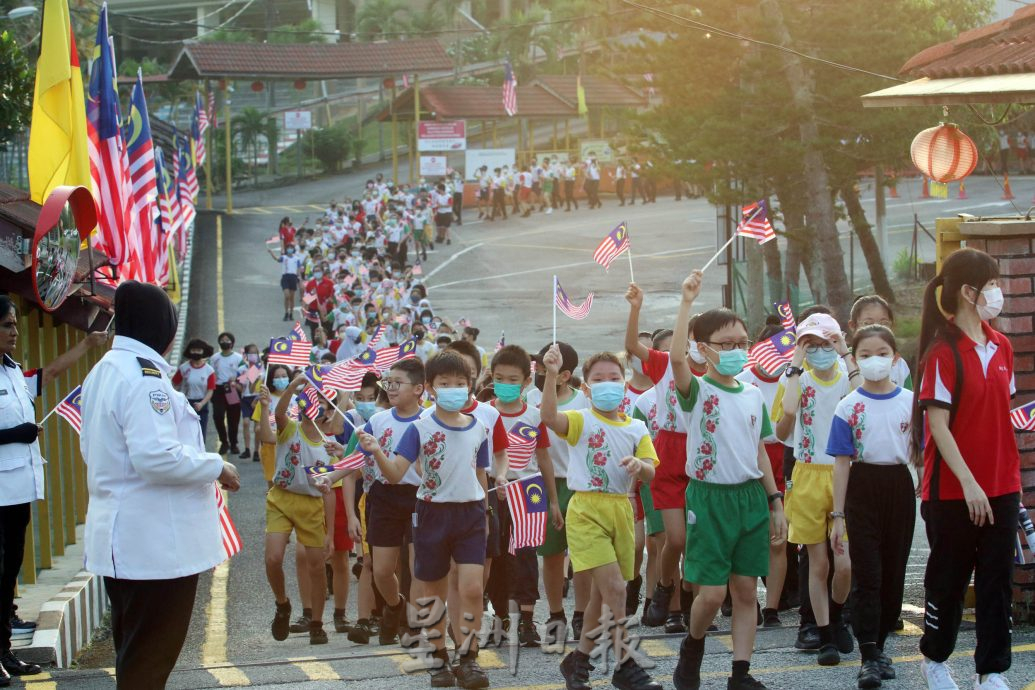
point(600, 91)
point(999, 88)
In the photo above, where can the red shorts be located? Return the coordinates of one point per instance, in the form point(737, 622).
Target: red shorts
point(526, 192)
point(342, 541)
point(775, 453)
point(669, 486)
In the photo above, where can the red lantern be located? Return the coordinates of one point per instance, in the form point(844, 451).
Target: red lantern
point(944, 153)
point(258, 86)
point(299, 84)
point(388, 83)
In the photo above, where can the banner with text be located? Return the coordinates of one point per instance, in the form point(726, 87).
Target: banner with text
point(491, 158)
point(442, 136)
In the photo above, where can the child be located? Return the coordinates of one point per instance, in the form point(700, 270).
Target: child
point(278, 377)
point(293, 504)
point(804, 417)
point(196, 379)
point(608, 453)
point(249, 395)
point(734, 510)
point(555, 545)
point(871, 310)
point(449, 524)
point(517, 576)
point(873, 492)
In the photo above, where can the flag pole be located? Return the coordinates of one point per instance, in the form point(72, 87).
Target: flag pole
point(515, 481)
point(555, 310)
point(49, 414)
point(629, 251)
point(718, 253)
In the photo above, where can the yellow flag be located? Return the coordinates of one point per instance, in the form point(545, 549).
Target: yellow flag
point(58, 153)
point(581, 94)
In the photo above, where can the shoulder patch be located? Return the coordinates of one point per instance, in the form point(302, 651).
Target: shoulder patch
point(148, 368)
point(160, 401)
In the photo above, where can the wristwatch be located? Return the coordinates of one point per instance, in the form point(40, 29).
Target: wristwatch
point(837, 514)
point(773, 497)
point(794, 371)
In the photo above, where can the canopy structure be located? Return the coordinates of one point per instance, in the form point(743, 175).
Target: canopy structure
point(600, 91)
point(478, 103)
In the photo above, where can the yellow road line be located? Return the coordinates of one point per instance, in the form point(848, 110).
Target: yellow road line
point(910, 630)
point(656, 649)
point(316, 670)
point(725, 640)
point(220, 326)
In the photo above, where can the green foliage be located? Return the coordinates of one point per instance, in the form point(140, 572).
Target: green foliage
point(305, 31)
point(148, 66)
point(904, 266)
point(16, 87)
point(229, 36)
point(251, 127)
point(382, 20)
point(331, 145)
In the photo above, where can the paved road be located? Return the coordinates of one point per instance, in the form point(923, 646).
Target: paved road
point(499, 276)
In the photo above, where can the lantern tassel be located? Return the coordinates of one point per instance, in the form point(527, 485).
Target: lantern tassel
point(1007, 192)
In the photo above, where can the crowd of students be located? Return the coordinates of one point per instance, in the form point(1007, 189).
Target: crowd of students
point(688, 473)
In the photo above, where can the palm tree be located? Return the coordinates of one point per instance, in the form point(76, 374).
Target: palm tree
point(250, 125)
point(520, 38)
point(382, 19)
point(451, 9)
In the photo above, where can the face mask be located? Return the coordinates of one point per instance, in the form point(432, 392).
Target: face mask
point(252, 358)
point(225, 344)
point(280, 383)
point(822, 359)
point(318, 275)
point(506, 392)
point(731, 362)
point(695, 353)
point(425, 320)
point(607, 395)
point(993, 304)
point(875, 368)
point(197, 356)
point(366, 409)
point(451, 399)
point(290, 252)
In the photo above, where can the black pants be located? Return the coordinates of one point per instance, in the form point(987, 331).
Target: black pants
point(149, 621)
point(635, 189)
point(555, 194)
point(458, 207)
point(569, 195)
point(226, 417)
point(499, 204)
point(13, 521)
point(959, 548)
point(620, 190)
point(652, 189)
point(880, 512)
point(591, 187)
point(512, 576)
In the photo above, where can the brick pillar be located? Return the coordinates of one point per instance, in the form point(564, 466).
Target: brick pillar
point(1016, 256)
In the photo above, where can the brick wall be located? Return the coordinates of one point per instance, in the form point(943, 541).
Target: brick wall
point(1016, 257)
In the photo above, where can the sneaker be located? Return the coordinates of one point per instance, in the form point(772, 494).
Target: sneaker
point(245, 454)
point(16, 667)
point(631, 676)
point(18, 625)
point(748, 682)
point(576, 625)
point(843, 639)
point(528, 636)
point(657, 613)
point(828, 655)
point(223, 448)
point(632, 595)
point(869, 674)
point(675, 624)
point(556, 630)
point(887, 671)
point(899, 626)
point(255, 456)
point(937, 675)
point(317, 635)
point(360, 632)
point(394, 616)
point(808, 638)
point(341, 624)
point(687, 674)
point(469, 674)
point(234, 450)
point(300, 625)
point(5, 677)
point(281, 622)
point(442, 676)
point(770, 618)
point(993, 681)
point(576, 668)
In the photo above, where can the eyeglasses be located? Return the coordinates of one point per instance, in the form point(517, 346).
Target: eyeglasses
point(727, 347)
point(813, 349)
point(393, 385)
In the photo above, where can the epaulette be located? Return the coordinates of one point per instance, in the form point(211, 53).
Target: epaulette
point(148, 368)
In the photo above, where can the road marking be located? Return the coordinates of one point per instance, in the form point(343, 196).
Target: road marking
point(451, 260)
point(316, 670)
point(725, 640)
point(910, 630)
point(656, 649)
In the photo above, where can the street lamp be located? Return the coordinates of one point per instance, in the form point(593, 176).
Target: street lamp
point(22, 12)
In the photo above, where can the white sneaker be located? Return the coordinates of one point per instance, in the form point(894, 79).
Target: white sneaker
point(993, 681)
point(937, 675)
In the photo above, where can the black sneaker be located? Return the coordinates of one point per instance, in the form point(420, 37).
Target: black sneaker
point(828, 655)
point(576, 625)
point(245, 454)
point(18, 626)
point(899, 626)
point(843, 639)
point(394, 616)
point(469, 674)
point(869, 674)
point(770, 618)
point(528, 636)
point(748, 682)
point(341, 624)
point(255, 456)
point(223, 448)
point(576, 668)
point(687, 674)
point(360, 632)
point(808, 638)
point(5, 677)
point(300, 625)
point(442, 676)
point(675, 624)
point(887, 671)
point(317, 635)
point(281, 622)
point(631, 676)
point(657, 613)
point(16, 667)
point(632, 595)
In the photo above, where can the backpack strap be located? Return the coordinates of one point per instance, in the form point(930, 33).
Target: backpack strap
point(957, 393)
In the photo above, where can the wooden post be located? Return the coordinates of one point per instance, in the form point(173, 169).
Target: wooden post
point(229, 147)
point(209, 151)
point(395, 140)
point(52, 433)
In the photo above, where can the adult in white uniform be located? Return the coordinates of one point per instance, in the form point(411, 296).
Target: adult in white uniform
point(21, 466)
point(152, 525)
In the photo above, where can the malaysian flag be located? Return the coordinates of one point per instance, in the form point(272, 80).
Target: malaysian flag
point(298, 333)
point(143, 176)
point(70, 409)
point(188, 174)
point(316, 375)
point(212, 117)
point(565, 305)
point(183, 199)
point(293, 353)
point(197, 134)
point(308, 402)
point(346, 376)
point(202, 112)
point(1023, 417)
point(109, 165)
point(168, 218)
point(786, 315)
point(528, 510)
point(522, 440)
point(231, 539)
point(349, 462)
point(754, 222)
point(773, 353)
point(388, 356)
point(375, 337)
point(616, 242)
point(509, 89)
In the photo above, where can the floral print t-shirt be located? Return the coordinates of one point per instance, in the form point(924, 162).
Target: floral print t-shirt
point(873, 428)
point(596, 448)
point(447, 458)
point(819, 399)
point(295, 452)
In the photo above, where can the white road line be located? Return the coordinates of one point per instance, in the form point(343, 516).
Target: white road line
point(451, 260)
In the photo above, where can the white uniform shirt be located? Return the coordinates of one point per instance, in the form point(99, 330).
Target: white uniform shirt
point(152, 512)
point(21, 465)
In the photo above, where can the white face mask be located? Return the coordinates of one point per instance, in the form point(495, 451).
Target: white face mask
point(993, 304)
point(695, 354)
point(876, 368)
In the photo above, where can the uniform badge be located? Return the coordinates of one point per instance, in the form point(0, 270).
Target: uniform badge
point(160, 402)
point(147, 368)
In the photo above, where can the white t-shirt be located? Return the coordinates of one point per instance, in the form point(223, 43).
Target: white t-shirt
point(558, 446)
point(227, 367)
point(295, 452)
point(873, 428)
point(387, 427)
point(489, 417)
point(596, 446)
point(819, 399)
point(768, 388)
point(290, 263)
point(449, 458)
point(195, 382)
point(646, 410)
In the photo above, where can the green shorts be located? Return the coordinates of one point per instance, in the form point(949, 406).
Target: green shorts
point(652, 522)
point(727, 531)
point(556, 539)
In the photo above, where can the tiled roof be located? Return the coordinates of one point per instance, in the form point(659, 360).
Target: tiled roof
point(308, 60)
point(1003, 47)
point(480, 102)
point(600, 91)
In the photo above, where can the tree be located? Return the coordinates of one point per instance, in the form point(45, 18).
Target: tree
point(305, 31)
point(16, 87)
point(382, 20)
point(251, 125)
point(331, 145)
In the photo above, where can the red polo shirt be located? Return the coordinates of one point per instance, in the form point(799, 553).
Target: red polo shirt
point(981, 427)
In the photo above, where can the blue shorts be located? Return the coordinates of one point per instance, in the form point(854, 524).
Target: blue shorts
point(390, 513)
point(444, 532)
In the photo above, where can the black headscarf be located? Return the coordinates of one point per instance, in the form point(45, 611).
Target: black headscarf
point(145, 313)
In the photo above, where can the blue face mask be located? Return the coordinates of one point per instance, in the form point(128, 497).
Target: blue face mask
point(451, 399)
point(607, 395)
point(822, 359)
point(280, 383)
point(366, 409)
point(731, 362)
point(506, 392)
point(425, 320)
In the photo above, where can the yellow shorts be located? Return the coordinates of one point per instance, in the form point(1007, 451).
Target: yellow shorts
point(286, 511)
point(363, 522)
point(809, 503)
point(268, 458)
point(601, 530)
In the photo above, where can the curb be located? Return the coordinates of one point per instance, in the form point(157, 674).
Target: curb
point(66, 622)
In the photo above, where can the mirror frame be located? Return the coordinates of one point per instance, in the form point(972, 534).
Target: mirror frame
point(84, 211)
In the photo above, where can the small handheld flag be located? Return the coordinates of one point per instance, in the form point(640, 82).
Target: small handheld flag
point(783, 309)
point(70, 409)
point(522, 440)
point(293, 353)
point(1023, 417)
point(774, 352)
point(612, 246)
point(297, 333)
point(350, 462)
point(528, 511)
point(568, 307)
point(754, 223)
point(227, 530)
